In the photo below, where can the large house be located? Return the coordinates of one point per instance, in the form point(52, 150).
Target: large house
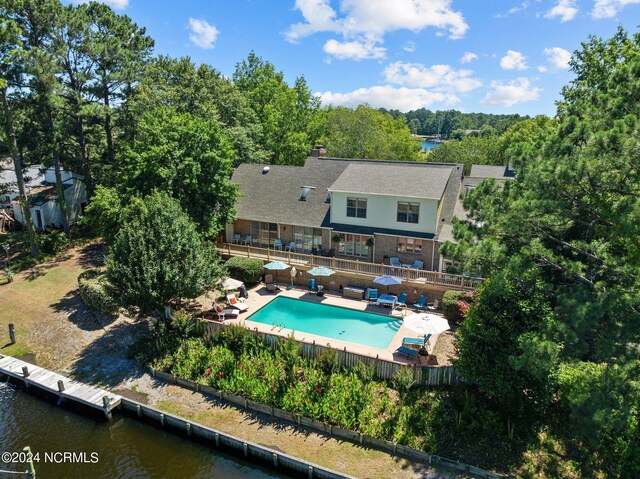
point(40, 185)
point(366, 210)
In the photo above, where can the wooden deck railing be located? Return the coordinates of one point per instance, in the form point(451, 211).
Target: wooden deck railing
point(362, 268)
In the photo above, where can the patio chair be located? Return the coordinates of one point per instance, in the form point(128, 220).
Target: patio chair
point(247, 240)
point(313, 285)
point(434, 306)
point(412, 353)
point(277, 244)
point(235, 303)
point(417, 264)
point(290, 246)
point(373, 295)
point(419, 341)
point(422, 302)
point(236, 238)
point(402, 300)
point(395, 262)
point(269, 283)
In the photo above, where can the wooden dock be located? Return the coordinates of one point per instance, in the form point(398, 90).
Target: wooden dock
point(66, 389)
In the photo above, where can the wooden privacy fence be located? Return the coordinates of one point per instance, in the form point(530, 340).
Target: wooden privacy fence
point(384, 369)
point(362, 268)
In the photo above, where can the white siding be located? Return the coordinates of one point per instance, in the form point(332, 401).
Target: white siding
point(382, 212)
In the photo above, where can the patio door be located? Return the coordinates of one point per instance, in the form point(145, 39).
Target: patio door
point(263, 233)
point(307, 239)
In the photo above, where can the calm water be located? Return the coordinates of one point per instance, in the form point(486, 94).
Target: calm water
point(126, 448)
point(369, 329)
point(429, 145)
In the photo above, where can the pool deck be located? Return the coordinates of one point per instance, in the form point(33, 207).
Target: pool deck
point(259, 296)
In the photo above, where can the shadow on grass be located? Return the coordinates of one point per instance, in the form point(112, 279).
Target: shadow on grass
point(85, 318)
point(92, 255)
point(105, 360)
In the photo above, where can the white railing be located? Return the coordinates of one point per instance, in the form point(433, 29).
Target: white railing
point(362, 268)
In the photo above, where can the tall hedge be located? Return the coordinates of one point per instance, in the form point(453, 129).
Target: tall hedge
point(247, 270)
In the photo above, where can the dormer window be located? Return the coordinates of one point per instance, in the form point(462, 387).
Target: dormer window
point(305, 192)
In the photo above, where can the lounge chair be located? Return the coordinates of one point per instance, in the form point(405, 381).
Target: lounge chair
point(290, 246)
point(313, 285)
point(226, 313)
point(422, 302)
point(434, 306)
point(417, 264)
point(402, 300)
point(277, 244)
point(413, 353)
point(269, 283)
point(236, 238)
point(373, 295)
point(235, 303)
point(247, 240)
point(419, 341)
point(394, 261)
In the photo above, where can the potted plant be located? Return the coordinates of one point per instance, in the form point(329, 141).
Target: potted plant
point(370, 242)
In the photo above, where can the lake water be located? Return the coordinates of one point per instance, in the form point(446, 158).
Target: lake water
point(125, 447)
point(429, 145)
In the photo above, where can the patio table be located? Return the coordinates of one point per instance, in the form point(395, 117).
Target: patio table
point(387, 300)
point(407, 265)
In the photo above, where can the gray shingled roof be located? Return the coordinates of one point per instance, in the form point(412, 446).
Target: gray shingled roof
point(488, 171)
point(275, 197)
point(418, 180)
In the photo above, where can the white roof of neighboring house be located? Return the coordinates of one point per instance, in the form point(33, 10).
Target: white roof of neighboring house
point(33, 176)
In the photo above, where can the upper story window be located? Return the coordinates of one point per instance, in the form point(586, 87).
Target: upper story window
point(357, 207)
point(408, 212)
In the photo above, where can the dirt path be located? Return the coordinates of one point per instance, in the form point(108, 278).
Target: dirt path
point(57, 331)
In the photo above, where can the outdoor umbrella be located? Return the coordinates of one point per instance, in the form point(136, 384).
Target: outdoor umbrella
point(276, 266)
point(229, 284)
point(321, 271)
point(417, 324)
point(293, 273)
point(387, 280)
point(435, 324)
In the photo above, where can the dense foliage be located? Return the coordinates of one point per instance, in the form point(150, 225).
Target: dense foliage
point(445, 123)
point(470, 150)
point(451, 423)
point(247, 270)
point(368, 133)
point(94, 291)
point(559, 320)
point(158, 256)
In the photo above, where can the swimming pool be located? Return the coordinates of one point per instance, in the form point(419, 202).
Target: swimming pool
point(334, 322)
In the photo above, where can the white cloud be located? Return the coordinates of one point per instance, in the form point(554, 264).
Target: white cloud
point(409, 47)
point(511, 93)
point(543, 69)
point(565, 9)
point(441, 78)
point(558, 57)
point(387, 96)
point(513, 61)
point(610, 8)
point(203, 34)
point(116, 4)
point(353, 50)
point(367, 21)
point(468, 57)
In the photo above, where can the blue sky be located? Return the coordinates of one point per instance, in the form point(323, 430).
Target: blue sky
point(494, 56)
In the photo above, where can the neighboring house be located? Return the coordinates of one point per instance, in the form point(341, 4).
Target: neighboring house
point(33, 176)
point(42, 194)
point(365, 210)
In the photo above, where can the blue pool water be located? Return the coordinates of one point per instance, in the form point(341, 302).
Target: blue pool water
point(368, 329)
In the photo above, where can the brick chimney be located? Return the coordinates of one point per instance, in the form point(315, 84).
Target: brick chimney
point(318, 151)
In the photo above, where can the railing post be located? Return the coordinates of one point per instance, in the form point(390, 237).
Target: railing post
point(268, 254)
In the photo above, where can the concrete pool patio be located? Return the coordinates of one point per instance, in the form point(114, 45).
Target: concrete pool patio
point(259, 297)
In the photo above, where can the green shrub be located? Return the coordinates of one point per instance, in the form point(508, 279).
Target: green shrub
point(450, 306)
point(403, 380)
point(94, 291)
point(247, 270)
point(52, 242)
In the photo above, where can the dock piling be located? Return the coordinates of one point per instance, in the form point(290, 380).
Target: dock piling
point(12, 333)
